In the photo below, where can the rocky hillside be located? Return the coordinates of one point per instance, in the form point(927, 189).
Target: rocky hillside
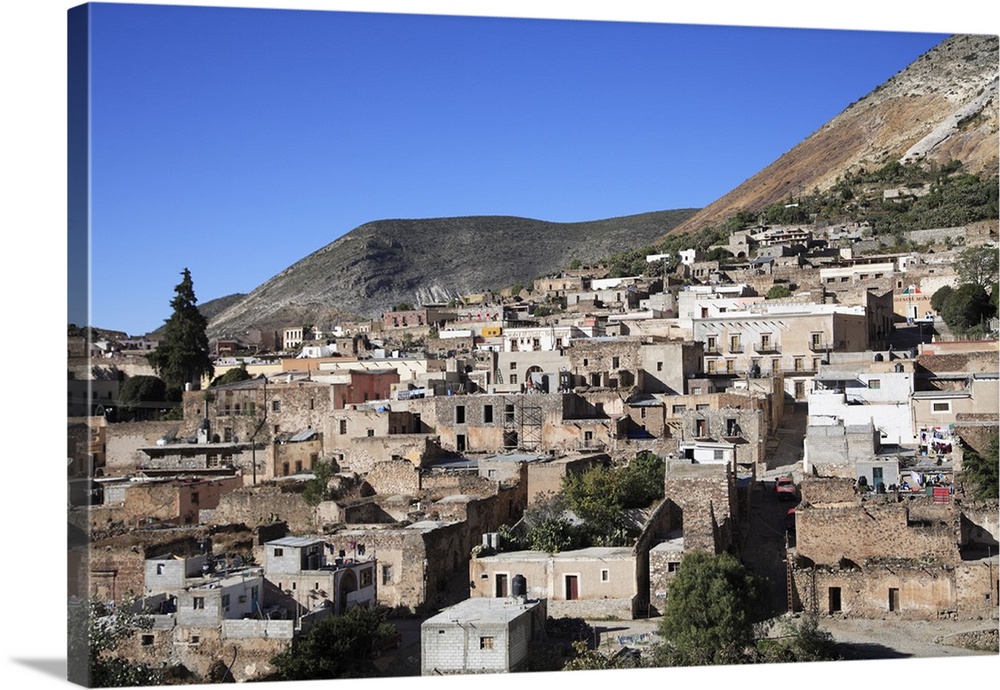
point(941, 107)
point(386, 262)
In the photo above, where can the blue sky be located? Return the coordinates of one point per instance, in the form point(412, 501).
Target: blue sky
point(236, 141)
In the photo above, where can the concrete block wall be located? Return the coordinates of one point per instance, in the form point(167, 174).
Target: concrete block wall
point(247, 628)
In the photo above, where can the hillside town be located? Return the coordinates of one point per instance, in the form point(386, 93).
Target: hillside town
point(811, 411)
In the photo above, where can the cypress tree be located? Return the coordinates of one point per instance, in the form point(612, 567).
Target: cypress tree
point(183, 356)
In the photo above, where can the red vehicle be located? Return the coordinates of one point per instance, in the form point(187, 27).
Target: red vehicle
point(784, 489)
point(790, 520)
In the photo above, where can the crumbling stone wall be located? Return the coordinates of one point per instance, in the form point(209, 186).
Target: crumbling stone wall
point(820, 491)
point(922, 591)
point(705, 495)
point(200, 650)
point(862, 531)
point(394, 477)
point(252, 506)
point(117, 566)
point(123, 441)
point(977, 589)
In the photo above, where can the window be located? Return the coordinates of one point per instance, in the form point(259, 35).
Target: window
point(227, 434)
point(678, 409)
point(734, 344)
point(194, 497)
point(486, 643)
point(195, 639)
point(765, 341)
point(615, 362)
point(276, 406)
point(147, 640)
point(711, 366)
point(874, 384)
point(730, 366)
point(371, 432)
point(386, 574)
point(941, 407)
point(513, 366)
point(513, 378)
point(605, 575)
point(732, 428)
point(798, 364)
point(487, 414)
point(278, 553)
point(343, 426)
point(701, 407)
point(460, 414)
point(659, 366)
point(775, 365)
point(816, 339)
point(718, 454)
point(198, 603)
point(366, 577)
point(700, 428)
point(159, 568)
point(710, 344)
point(225, 601)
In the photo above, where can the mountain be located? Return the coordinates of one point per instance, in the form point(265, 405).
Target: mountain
point(943, 106)
point(386, 262)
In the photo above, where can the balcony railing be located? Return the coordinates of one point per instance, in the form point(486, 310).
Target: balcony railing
point(767, 348)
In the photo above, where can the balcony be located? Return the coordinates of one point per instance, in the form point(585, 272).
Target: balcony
point(767, 348)
point(820, 345)
point(735, 348)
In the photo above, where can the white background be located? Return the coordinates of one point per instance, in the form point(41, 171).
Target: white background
point(34, 287)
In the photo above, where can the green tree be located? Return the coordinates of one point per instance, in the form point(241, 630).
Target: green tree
point(778, 292)
point(234, 375)
point(801, 640)
point(966, 307)
point(336, 647)
point(642, 480)
point(548, 528)
point(96, 632)
point(981, 471)
point(940, 297)
point(317, 489)
point(183, 356)
point(714, 611)
point(141, 396)
point(978, 265)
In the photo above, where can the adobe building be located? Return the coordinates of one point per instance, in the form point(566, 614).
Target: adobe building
point(595, 582)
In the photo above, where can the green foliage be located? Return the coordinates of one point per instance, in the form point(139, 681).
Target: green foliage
point(981, 472)
point(547, 528)
point(516, 289)
point(586, 659)
point(574, 264)
point(778, 292)
point(714, 610)
point(142, 395)
point(183, 356)
point(978, 265)
point(966, 307)
point(801, 640)
point(336, 647)
point(317, 489)
point(95, 633)
point(601, 494)
point(233, 375)
point(403, 306)
point(940, 297)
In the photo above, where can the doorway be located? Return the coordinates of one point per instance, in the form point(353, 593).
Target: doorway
point(894, 599)
point(572, 587)
point(834, 599)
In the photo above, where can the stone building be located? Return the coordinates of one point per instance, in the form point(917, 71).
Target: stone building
point(872, 556)
point(705, 497)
